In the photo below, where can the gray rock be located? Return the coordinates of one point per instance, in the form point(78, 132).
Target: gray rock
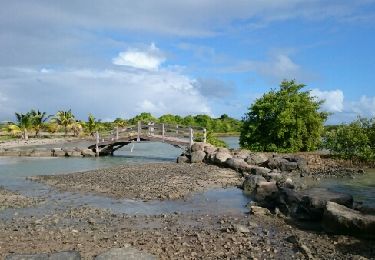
point(88, 153)
point(127, 252)
point(242, 154)
point(276, 162)
point(257, 170)
point(288, 166)
point(273, 176)
point(197, 157)
point(59, 153)
point(45, 153)
point(66, 255)
point(342, 220)
point(223, 150)
point(241, 229)
point(260, 211)
point(257, 159)
point(199, 146)
point(221, 157)
point(209, 149)
point(182, 159)
point(11, 153)
point(251, 182)
point(237, 164)
point(25, 152)
point(265, 191)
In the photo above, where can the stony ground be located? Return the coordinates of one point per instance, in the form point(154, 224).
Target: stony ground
point(9, 199)
point(175, 236)
point(146, 182)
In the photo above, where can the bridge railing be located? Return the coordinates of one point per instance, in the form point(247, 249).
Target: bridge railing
point(151, 129)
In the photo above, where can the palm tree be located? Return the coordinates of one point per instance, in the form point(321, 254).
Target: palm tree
point(91, 126)
point(65, 119)
point(24, 122)
point(38, 120)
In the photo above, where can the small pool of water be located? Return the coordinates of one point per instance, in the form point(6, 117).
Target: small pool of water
point(231, 141)
point(362, 187)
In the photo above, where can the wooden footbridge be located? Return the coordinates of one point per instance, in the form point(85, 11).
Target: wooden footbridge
point(176, 135)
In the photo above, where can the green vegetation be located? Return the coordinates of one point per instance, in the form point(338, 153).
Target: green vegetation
point(352, 141)
point(287, 120)
point(65, 119)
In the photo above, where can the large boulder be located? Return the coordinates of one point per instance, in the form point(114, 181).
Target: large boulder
point(58, 152)
point(127, 252)
point(257, 170)
point(265, 192)
point(288, 166)
point(209, 149)
point(237, 164)
point(241, 154)
point(276, 162)
point(221, 157)
point(250, 183)
point(257, 159)
point(340, 219)
point(199, 146)
point(88, 153)
point(198, 156)
point(313, 203)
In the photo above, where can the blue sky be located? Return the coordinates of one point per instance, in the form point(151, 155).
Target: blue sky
point(119, 58)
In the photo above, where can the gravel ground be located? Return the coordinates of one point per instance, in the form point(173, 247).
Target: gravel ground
point(176, 236)
point(146, 182)
point(9, 199)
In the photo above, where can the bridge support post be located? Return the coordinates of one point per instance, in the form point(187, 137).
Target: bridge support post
point(191, 137)
point(139, 132)
point(162, 131)
point(97, 144)
point(204, 135)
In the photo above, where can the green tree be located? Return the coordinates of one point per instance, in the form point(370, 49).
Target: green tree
point(287, 120)
point(24, 123)
point(120, 122)
point(352, 141)
point(91, 126)
point(65, 119)
point(38, 120)
point(143, 117)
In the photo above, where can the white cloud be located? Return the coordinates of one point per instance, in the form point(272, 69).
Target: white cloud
point(149, 59)
point(105, 93)
point(334, 99)
point(364, 107)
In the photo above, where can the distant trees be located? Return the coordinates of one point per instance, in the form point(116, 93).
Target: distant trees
point(286, 120)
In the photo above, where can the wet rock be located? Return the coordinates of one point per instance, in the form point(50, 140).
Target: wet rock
point(342, 220)
point(126, 252)
point(221, 157)
point(66, 255)
point(251, 182)
point(197, 157)
point(25, 152)
point(12, 152)
point(41, 152)
point(257, 159)
point(182, 159)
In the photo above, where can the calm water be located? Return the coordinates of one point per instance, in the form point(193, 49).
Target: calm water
point(231, 141)
point(14, 170)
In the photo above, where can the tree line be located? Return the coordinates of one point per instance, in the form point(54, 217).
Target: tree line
point(36, 121)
